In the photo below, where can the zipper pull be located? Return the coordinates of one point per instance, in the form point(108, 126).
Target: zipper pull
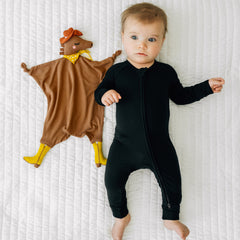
point(169, 205)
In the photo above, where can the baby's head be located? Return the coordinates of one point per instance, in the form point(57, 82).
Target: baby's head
point(145, 13)
point(144, 27)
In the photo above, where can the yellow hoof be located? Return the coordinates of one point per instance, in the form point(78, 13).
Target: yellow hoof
point(99, 158)
point(37, 159)
point(31, 160)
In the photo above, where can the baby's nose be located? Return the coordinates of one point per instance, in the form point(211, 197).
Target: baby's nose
point(142, 45)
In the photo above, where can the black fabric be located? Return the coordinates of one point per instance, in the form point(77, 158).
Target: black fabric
point(141, 137)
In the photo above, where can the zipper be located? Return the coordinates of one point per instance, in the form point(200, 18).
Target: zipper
point(147, 139)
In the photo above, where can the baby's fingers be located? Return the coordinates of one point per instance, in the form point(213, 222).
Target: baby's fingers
point(116, 97)
point(111, 98)
point(219, 80)
point(217, 89)
point(105, 102)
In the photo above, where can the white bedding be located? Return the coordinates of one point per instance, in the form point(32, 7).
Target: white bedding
point(65, 199)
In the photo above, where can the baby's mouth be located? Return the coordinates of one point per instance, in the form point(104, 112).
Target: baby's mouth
point(142, 54)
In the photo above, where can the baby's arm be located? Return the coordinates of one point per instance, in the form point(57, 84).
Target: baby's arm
point(186, 95)
point(105, 94)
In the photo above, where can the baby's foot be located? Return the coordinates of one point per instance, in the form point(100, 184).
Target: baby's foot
point(178, 227)
point(119, 227)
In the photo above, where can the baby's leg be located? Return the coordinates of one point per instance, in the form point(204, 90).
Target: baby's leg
point(171, 194)
point(167, 173)
point(116, 175)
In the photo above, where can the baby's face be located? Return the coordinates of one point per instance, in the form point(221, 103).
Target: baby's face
point(142, 42)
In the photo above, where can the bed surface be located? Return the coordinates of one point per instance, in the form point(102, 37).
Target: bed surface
point(65, 198)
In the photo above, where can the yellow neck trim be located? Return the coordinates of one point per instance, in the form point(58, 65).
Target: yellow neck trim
point(74, 57)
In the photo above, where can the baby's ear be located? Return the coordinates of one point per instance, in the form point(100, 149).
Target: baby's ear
point(163, 41)
point(122, 35)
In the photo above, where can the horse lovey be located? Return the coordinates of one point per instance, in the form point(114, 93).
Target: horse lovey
point(69, 84)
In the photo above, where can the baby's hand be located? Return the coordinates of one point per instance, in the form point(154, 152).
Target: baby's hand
point(110, 97)
point(216, 84)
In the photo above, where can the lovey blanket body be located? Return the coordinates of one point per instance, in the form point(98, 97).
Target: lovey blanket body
point(69, 90)
point(69, 85)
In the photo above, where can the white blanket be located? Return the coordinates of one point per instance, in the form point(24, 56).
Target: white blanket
point(65, 199)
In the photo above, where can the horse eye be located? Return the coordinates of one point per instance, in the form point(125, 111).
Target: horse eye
point(76, 43)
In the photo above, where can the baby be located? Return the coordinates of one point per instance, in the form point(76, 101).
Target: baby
point(142, 87)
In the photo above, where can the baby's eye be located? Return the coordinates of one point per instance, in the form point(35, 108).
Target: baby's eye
point(152, 39)
point(76, 43)
point(134, 37)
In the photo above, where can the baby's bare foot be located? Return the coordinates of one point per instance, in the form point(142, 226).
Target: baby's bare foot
point(119, 227)
point(178, 227)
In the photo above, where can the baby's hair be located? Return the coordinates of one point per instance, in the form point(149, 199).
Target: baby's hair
point(146, 13)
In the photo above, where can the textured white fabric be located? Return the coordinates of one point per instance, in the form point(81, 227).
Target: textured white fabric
point(65, 199)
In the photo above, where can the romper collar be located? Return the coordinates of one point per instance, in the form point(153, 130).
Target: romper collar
point(141, 69)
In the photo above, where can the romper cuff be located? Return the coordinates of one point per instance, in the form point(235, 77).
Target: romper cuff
point(120, 212)
point(98, 95)
point(171, 213)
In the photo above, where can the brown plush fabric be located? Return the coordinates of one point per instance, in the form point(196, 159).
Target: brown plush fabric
point(69, 89)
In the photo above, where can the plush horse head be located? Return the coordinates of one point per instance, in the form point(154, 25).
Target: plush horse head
point(72, 42)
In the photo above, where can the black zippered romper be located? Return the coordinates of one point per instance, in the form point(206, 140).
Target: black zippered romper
point(141, 137)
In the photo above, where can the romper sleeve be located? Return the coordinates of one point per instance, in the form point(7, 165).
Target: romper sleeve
point(107, 83)
point(185, 95)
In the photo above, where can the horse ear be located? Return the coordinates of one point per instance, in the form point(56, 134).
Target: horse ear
point(61, 51)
